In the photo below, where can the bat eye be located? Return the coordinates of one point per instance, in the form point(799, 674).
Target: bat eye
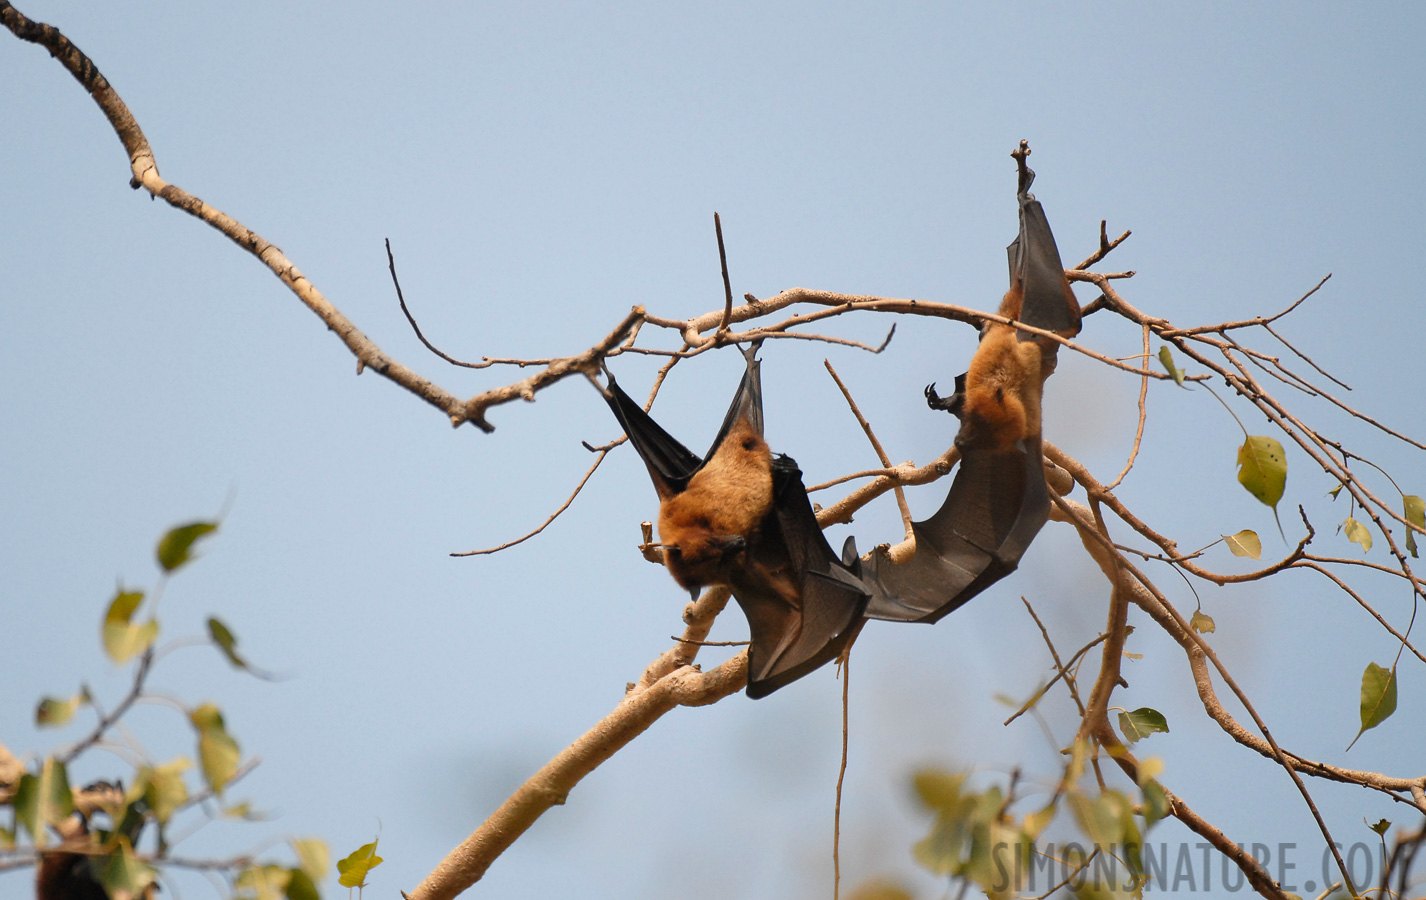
point(749, 444)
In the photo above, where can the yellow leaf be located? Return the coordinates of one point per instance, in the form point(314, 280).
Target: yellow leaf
point(1414, 509)
point(122, 639)
point(1262, 468)
point(1166, 359)
point(1244, 543)
point(1357, 533)
point(1202, 623)
point(357, 864)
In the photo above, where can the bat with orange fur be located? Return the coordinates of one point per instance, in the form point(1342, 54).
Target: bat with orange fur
point(998, 500)
point(740, 516)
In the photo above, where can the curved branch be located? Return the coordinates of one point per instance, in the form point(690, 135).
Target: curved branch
point(550, 786)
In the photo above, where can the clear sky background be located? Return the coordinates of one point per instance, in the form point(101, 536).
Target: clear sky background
point(540, 168)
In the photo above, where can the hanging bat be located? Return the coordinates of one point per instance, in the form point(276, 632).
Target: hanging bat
point(740, 517)
point(998, 500)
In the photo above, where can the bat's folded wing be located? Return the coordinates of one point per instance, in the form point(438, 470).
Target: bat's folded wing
point(670, 463)
point(1035, 266)
point(748, 402)
point(997, 504)
point(802, 604)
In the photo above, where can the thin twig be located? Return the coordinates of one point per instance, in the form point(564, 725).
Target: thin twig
point(1143, 417)
point(401, 298)
point(554, 515)
point(108, 720)
point(710, 643)
point(1068, 878)
point(1105, 245)
point(1061, 670)
point(1244, 323)
point(1307, 359)
point(727, 285)
point(876, 445)
point(846, 664)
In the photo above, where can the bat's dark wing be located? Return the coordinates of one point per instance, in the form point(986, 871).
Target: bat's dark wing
point(1036, 271)
point(747, 402)
point(996, 506)
point(670, 463)
point(802, 604)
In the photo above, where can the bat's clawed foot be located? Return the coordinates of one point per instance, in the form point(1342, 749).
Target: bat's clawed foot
point(951, 404)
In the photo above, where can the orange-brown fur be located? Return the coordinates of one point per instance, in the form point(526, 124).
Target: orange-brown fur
point(1004, 384)
point(725, 501)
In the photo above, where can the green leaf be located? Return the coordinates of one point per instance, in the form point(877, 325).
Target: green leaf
point(218, 752)
point(1098, 817)
point(123, 875)
point(1378, 697)
point(1202, 622)
point(938, 789)
point(1335, 491)
point(122, 639)
point(1357, 533)
point(301, 887)
point(42, 800)
point(244, 812)
point(1380, 827)
point(226, 641)
point(163, 788)
point(1414, 511)
point(1262, 469)
point(1141, 723)
point(1156, 802)
point(1039, 820)
point(354, 868)
point(52, 713)
point(175, 548)
point(1166, 358)
point(1244, 543)
point(939, 852)
point(313, 857)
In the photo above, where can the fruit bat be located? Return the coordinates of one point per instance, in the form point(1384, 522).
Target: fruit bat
point(998, 500)
point(740, 516)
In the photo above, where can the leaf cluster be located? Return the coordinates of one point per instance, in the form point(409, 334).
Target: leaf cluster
point(118, 839)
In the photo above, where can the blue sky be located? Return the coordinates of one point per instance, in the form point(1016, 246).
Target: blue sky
point(541, 168)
